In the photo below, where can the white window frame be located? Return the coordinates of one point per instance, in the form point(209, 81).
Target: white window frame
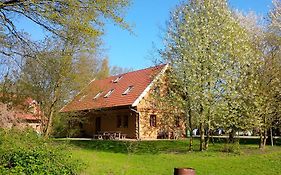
point(117, 79)
point(128, 90)
point(97, 95)
point(108, 93)
point(82, 97)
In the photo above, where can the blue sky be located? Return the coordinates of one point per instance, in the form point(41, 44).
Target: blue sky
point(148, 17)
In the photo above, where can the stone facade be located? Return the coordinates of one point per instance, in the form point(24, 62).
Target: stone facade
point(139, 124)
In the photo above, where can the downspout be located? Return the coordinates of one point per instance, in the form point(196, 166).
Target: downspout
point(138, 122)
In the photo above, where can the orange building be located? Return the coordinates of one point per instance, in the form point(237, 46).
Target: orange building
point(122, 104)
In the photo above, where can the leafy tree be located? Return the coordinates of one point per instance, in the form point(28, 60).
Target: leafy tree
point(54, 70)
point(85, 68)
point(210, 54)
point(48, 81)
point(115, 70)
point(168, 92)
point(261, 90)
point(269, 77)
point(71, 20)
point(104, 70)
point(275, 17)
point(57, 75)
point(275, 41)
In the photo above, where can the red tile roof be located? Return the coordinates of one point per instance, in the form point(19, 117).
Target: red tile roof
point(20, 113)
point(27, 116)
point(139, 80)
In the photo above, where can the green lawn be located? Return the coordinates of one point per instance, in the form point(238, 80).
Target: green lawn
point(160, 157)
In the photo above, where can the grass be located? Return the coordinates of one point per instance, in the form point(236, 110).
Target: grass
point(161, 157)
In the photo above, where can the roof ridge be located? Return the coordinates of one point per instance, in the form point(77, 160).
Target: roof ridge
point(156, 77)
point(151, 67)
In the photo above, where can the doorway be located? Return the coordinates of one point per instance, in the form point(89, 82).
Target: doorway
point(98, 124)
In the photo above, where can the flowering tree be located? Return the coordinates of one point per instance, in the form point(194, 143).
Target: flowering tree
point(211, 55)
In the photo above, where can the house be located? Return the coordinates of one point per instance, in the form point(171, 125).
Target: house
point(27, 114)
point(123, 103)
point(32, 116)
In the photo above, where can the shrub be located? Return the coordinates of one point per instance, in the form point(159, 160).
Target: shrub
point(231, 148)
point(66, 125)
point(24, 152)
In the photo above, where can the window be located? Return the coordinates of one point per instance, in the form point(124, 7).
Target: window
point(117, 79)
point(82, 97)
point(125, 121)
point(80, 125)
point(119, 122)
point(108, 93)
point(152, 120)
point(97, 96)
point(127, 90)
point(122, 122)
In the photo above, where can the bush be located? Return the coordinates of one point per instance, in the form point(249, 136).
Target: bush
point(24, 152)
point(66, 125)
point(231, 148)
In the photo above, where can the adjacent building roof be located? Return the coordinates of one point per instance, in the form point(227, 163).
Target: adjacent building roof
point(29, 110)
point(27, 116)
point(120, 90)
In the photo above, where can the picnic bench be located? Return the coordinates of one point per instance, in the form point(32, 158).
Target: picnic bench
point(109, 135)
point(169, 135)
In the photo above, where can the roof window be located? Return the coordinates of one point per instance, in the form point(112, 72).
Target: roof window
point(97, 96)
point(82, 97)
point(108, 93)
point(129, 89)
point(117, 79)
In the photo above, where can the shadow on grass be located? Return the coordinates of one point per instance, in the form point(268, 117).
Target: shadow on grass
point(134, 147)
point(249, 141)
point(158, 146)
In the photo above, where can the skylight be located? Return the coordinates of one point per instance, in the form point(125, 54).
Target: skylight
point(117, 79)
point(82, 97)
point(97, 96)
point(129, 89)
point(108, 93)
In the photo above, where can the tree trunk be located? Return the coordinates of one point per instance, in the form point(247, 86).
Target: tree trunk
point(51, 113)
point(207, 140)
point(231, 136)
point(208, 135)
point(202, 136)
point(264, 138)
point(50, 123)
point(191, 133)
point(263, 134)
point(260, 143)
point(191, 142)
point(271, 137)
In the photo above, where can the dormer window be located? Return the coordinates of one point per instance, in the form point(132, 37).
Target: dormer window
point(129, 89)
point(108, 93)
point(97, 96)
point(117, 79)
point(82, 97)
